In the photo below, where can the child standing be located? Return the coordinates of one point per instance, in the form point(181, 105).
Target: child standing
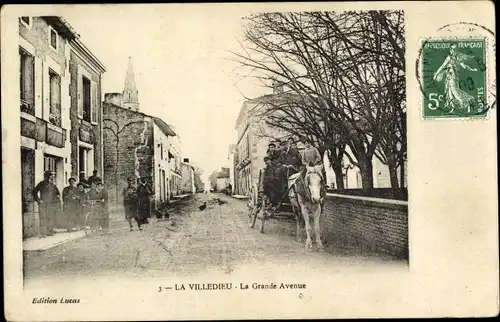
point(131, 203)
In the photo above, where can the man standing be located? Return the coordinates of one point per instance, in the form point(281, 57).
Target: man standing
point(271, 152)
point(82, 196)
point(270, 182)
point(71, 204)
point(130, 184)
point(292, 157)
point(311, 156)
point(103, 195)
point(48, 201)
point(144, 192)
point(94, 177)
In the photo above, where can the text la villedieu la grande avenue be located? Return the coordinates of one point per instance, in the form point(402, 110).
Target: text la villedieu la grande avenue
point(230, 286)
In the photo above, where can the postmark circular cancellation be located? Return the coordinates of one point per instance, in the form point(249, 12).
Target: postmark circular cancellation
point(455, 70)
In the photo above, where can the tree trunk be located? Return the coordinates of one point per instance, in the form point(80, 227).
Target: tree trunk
point(337, 169)
point(402, 173)
point(393, 174)
point(339, 177)
point(366, 170)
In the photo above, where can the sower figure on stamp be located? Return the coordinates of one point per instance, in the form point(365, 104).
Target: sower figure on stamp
point(144, 193)
point(131, 205)
point(71, 204)
point(455, 98)
point(48, 202)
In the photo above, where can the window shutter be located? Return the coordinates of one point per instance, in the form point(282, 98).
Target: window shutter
point(95, 102)
point(29, 79)
point(79, 95)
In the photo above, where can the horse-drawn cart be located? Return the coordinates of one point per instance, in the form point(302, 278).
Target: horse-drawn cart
point(258, 206)
point(306, 194)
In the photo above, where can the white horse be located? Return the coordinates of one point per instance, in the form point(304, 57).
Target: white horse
point(307, 202)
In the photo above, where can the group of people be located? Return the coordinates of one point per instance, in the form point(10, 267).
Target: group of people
point(283, 159)
point(136, 201)
point(75, 198)
point(75, 202)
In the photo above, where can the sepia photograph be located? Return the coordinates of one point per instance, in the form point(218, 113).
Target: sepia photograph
point(105, 164)
point(233, 151)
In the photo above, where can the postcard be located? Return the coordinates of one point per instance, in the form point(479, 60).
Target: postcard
point(249, 161)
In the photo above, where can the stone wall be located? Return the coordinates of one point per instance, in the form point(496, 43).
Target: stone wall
point(368, 224)
point(128, 148)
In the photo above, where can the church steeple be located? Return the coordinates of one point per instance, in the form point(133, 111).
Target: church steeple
point(130, 93)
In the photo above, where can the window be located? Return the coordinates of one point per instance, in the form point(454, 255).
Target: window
point(26, 20)
point(27, 81)
point(53, 38)
point(161, 151)
point(49, 164)
point(54, 98)
point(87, 102)
point(165, 183)
point(85, 161)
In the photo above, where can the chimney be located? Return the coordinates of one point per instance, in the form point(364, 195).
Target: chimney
point(113, 98)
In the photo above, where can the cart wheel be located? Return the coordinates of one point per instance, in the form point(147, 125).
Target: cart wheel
point(263, 217)
point(252, 215)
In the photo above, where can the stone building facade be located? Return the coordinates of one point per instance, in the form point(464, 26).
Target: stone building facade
point(187, 175)
point(86, 111)
point(135, 146)
point(254, 137)
point(45, 108)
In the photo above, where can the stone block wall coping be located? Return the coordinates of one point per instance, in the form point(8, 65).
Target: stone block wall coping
point(377, 202)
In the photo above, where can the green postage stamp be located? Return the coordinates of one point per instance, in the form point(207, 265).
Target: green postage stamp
point(454, 78)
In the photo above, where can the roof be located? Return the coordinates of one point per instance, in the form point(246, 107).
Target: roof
point(264, 99)
point(78, 45)
point(164, 127)
point(62, 26)
point(66, 30)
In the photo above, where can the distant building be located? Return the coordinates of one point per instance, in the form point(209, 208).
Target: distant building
point(222, 180)
point(231, 165)
point(187, 175)
point(254, 136)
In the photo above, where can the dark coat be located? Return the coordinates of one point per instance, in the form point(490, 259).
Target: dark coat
point(49, 193)
point(71, 198)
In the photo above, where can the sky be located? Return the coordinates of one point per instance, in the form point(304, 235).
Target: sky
point(183, 74)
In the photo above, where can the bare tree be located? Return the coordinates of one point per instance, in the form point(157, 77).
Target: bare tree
point(343, 73)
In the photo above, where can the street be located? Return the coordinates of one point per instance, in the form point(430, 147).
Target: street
point(217, 239)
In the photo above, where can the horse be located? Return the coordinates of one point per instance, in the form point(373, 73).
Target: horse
point(307, 203)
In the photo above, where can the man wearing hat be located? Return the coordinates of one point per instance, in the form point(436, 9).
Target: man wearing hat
point(103, 195)
point(271, 152)
point(269, 185)
point(291, 157)
point(48, 201)
point(71, 204)
point(94, 177)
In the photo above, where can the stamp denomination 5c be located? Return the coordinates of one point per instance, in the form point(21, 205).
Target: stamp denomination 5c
point(454, 78)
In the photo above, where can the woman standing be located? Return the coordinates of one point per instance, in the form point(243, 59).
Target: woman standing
point(144, 192)
point(71, 203)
